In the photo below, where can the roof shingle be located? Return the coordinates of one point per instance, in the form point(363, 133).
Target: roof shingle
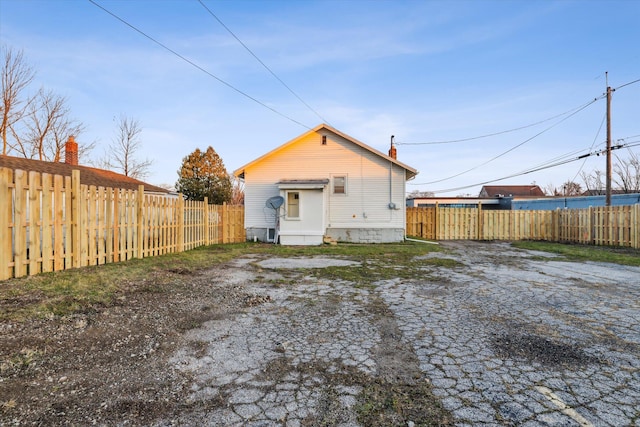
point(511, 190)
point(88, 175)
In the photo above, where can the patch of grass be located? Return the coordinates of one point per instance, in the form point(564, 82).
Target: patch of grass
point(382, 404)
point(615, 255)
point(355, 251)
point(20, 362)
point(383, 262)
point(377, 269)
point(379, 403)
point(87, 289)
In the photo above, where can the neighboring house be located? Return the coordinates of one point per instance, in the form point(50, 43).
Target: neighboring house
point(491, 197)
point(325, 183)
point(511, 191)
point(458, 202)
point(575, 202)
point(88, 175)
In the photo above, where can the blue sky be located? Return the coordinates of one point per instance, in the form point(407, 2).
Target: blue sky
point(423, 71)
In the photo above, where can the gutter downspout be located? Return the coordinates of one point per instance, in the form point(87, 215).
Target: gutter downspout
point(390, 185)
point(391, 154)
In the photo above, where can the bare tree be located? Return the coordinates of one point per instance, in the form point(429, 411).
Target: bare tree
point(16, 76)
point(626, 173)
point(237, 190)
point(551, 190)
point(34, 127)
point(625, 176)
point(594, 182)
point(571, 188)
point(123, 148)
point(40, 120)
point(45, 128)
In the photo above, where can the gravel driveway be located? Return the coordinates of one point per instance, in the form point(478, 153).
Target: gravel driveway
point(513, 337)
point(477, 334)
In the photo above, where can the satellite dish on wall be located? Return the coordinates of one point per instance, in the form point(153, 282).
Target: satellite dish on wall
point(275, 202)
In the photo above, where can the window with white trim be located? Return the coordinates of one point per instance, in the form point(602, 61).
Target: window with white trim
point(340, 184)
point(293, 204)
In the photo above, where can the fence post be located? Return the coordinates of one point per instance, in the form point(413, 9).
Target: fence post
point(480, 234)
point(19, 220)
point(206, 221)
point(436, 220)
point(181, 224)
point(225, 221)
point(76, 209)
point(590, 236)
point(6, 214)
point(140, 222)
point(34, 223)
point(635, 226)
point(109, 225)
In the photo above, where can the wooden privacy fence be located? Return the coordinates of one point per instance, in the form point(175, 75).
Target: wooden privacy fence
point(611, 226)
point(51, 223)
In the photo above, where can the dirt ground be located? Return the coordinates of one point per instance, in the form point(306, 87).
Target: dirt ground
point(113, 365)
point(108, 366)
point(265, 341)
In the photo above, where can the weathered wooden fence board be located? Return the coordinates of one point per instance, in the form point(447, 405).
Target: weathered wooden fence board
point(611, 226)
point(53, 223)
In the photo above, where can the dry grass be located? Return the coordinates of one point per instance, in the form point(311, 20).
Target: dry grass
point(86, 289)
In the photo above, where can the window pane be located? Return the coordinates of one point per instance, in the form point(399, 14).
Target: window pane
point(293, 205)
point(339, 184)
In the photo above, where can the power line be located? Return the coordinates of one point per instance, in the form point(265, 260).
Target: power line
point(508, 130)
point(190, 62)
point(561, 157)
point(501, 132)
point(262, 63)
point(514, 147)
point(604, 117)
point(537, 169)
point(627, 84)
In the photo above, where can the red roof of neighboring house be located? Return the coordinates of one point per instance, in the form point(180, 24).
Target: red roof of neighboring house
point(511, 190)
point(88, 175)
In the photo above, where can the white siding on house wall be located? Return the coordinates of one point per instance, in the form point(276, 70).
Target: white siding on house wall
point(309, 227)
point(366, 204)
point(368, 199)
point(255, 212)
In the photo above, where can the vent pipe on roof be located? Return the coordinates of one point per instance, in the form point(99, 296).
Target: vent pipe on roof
point(71, 151)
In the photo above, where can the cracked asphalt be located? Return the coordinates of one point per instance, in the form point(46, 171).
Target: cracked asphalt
point(510, 337)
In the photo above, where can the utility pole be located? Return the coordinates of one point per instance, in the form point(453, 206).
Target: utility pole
point(608, 190)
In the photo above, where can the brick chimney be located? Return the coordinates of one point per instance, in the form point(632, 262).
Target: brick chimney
point(392, 150)
point(71, 151)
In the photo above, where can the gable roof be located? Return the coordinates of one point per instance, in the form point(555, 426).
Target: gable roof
point(88, 175)
point(512, 190)
point(411, 171)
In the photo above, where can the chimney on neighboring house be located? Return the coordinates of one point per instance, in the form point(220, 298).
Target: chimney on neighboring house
point(71, 151)
point(392, 150)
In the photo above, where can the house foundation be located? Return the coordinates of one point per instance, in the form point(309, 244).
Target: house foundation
point(366, 235)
